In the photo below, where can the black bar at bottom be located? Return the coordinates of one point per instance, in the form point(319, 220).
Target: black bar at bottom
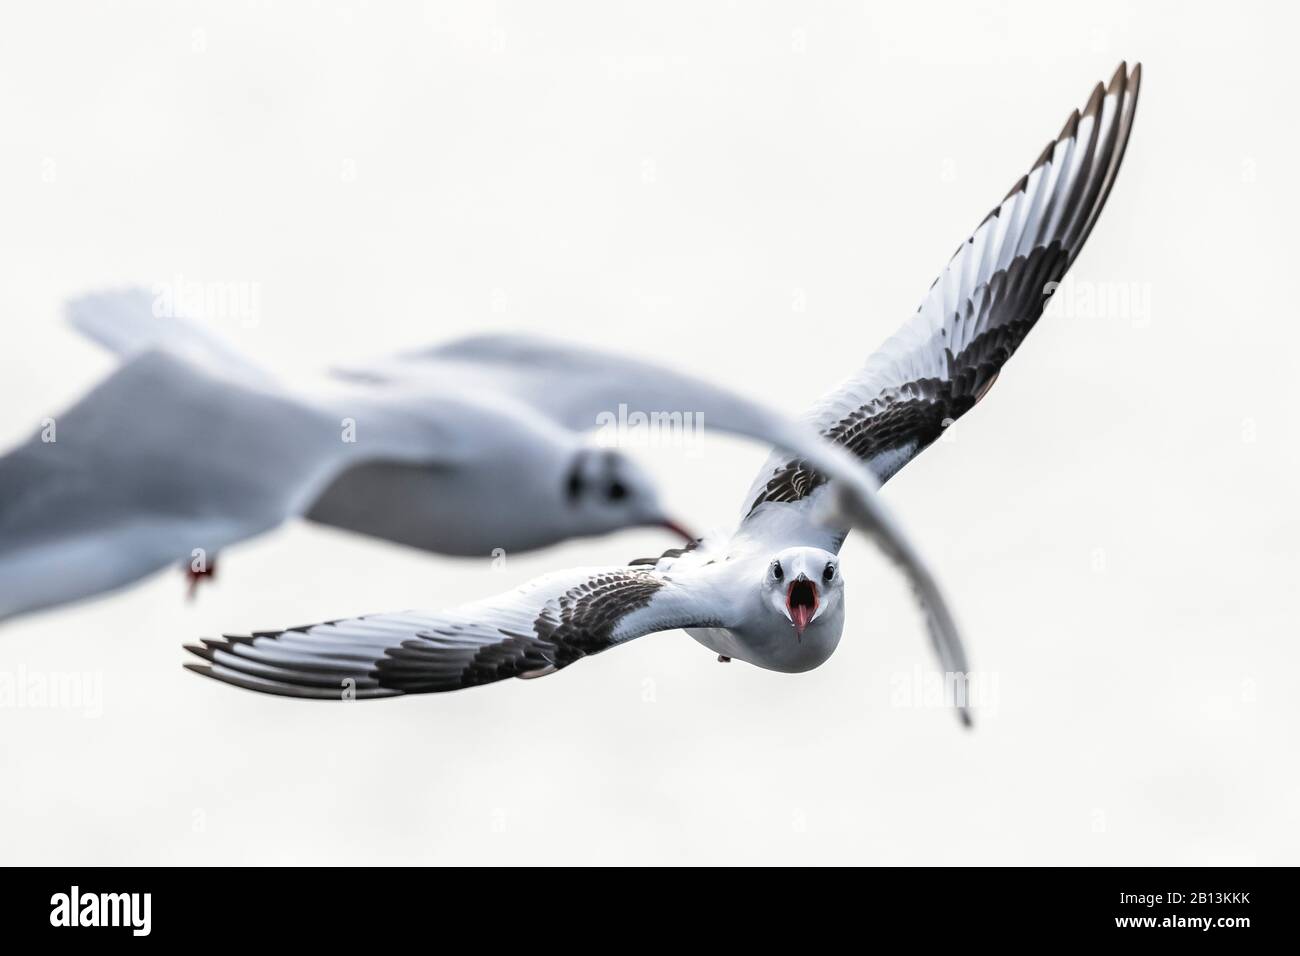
point(324, 906)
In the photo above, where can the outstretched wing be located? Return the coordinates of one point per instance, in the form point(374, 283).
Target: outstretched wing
point(979, 310)
point(130, 321)
point(580, 388)
point(541, 627)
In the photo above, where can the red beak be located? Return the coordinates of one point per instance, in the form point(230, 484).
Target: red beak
point(675, 528)
point(801, 601)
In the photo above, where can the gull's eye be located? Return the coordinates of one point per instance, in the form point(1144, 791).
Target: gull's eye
point(829, 574)
point(573, 486)
point(616, 491)
point(777, 573)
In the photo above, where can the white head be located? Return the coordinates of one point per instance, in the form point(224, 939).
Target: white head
point(804, 586)
point(605, 491)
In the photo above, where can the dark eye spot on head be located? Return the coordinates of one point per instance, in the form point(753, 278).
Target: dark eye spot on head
point(573, 485)
point(616, 491)
point(776, 570)
point(829, 574)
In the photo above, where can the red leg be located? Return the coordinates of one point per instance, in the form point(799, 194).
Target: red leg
point(194, 577)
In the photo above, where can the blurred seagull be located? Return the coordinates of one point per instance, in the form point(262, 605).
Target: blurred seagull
point(187, 448)
point(771, 593)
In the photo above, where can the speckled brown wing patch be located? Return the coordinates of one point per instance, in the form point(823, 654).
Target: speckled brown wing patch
point(990, 295)
point(907, 420)
point(348, 659)
point(577, 623)
point(583, 619)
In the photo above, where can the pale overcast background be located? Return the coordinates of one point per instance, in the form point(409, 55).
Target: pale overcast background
point(759, 193)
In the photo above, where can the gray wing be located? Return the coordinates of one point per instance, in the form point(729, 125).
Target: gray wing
point(979, 310)
point(160, 459)
point(577, 387)
point(129, 321)
point(539, 628)
point(945, 638)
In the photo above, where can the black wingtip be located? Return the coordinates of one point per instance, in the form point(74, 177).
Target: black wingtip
point(1019, 187)
point(967, 721)
point(204, 669)
point(1094, 102)
point(1070, 129)
point(1042, 159)
point(1117, 80)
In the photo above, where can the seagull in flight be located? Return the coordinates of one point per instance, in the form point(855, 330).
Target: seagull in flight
point(188, 447)
point(771, 593)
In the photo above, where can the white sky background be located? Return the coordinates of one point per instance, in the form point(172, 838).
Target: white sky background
point(1115, 523)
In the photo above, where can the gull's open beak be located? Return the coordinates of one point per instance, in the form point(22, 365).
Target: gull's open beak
point(675, 528)
point(801, 601)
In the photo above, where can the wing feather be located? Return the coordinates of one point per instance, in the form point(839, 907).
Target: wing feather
point(980, 308)
point(542, 627)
